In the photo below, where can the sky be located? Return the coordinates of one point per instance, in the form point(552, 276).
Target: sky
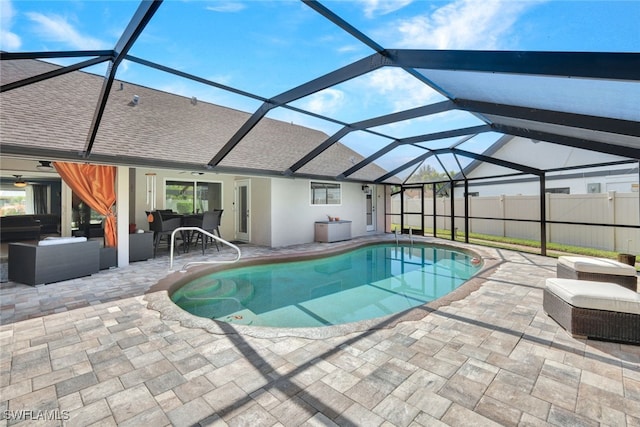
point(267, 47)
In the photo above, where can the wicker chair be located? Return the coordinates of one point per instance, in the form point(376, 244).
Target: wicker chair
point(210, 223)
point(163, 228)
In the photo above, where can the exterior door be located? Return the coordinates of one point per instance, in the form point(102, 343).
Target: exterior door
point(371, 208)
point(242, 210)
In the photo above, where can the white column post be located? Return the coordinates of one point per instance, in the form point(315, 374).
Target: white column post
point(66, 212)
point(122, 214)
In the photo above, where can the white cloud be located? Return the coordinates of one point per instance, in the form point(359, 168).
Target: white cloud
point(8, 41)
point(226, 7)
point(383, 7)
point(399, 88)
point(462, 24)
point(324, 102)
point(349, 48)
point(58, 29)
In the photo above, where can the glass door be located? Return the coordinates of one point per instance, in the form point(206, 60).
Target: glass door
point(371, 208)
point(242, 210)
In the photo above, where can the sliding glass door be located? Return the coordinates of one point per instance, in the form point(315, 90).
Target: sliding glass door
point(188, 197)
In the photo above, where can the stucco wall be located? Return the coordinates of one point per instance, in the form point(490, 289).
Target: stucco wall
point(293, 216)
point(544, 155)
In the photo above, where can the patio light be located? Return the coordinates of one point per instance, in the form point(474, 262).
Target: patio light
point(19, 182)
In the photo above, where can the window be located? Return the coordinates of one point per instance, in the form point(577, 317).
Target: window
point(13, 202)
point(326, 193)
point(193, 196)
point(558, 190)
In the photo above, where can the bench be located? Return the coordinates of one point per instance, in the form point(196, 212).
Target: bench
point(597, 269)
point(593, 309)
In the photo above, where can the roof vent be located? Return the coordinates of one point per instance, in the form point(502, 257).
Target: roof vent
point(194, 100)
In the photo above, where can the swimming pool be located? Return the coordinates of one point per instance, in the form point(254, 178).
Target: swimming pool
point(364, 283)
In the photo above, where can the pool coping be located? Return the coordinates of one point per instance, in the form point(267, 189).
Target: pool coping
point(158, 295)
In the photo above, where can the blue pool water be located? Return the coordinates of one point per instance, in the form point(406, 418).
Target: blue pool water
point(364, 283)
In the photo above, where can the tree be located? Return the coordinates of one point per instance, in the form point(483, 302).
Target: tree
point(427, 173)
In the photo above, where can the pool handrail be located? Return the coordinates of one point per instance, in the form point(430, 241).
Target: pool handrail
point(410, 235)
point(213, 236)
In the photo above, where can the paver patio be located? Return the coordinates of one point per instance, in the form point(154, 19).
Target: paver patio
point(90, 352)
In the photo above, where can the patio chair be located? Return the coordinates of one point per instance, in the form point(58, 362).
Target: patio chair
point(163, 228)
point(210, 223)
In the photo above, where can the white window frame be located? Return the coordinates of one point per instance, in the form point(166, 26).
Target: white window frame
point(195, 183)
point(312, 190)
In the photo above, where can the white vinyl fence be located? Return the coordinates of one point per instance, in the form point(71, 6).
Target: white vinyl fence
point(604, 208)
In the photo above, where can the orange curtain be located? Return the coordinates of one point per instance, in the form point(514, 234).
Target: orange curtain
point(95, 185)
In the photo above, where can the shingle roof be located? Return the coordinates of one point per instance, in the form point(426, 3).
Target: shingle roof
point(555, 97)
point(55, 115)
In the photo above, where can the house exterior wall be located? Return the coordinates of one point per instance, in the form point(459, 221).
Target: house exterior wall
point(281, 213)
point(609, 179)
point(294, 217)
point(162, 175)
point(542, 155)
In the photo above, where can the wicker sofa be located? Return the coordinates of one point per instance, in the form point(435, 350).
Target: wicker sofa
point(53, 260)
point(593, 309)
point(15, 228)
point(19, 227)
point(597, 269)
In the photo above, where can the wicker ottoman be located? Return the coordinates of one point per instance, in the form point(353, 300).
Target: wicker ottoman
point(598, 270)
point(599, 310)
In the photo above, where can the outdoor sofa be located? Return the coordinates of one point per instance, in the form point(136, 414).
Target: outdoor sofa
point(597, 269)
point(49, 223)
point(595, 298)
point(599, 310)
point(19, 227)
point(28, 227)
point(53, 259)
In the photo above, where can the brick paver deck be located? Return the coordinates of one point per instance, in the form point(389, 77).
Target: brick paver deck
point(90, 352)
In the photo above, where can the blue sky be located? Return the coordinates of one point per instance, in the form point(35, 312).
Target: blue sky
point(267, 47)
